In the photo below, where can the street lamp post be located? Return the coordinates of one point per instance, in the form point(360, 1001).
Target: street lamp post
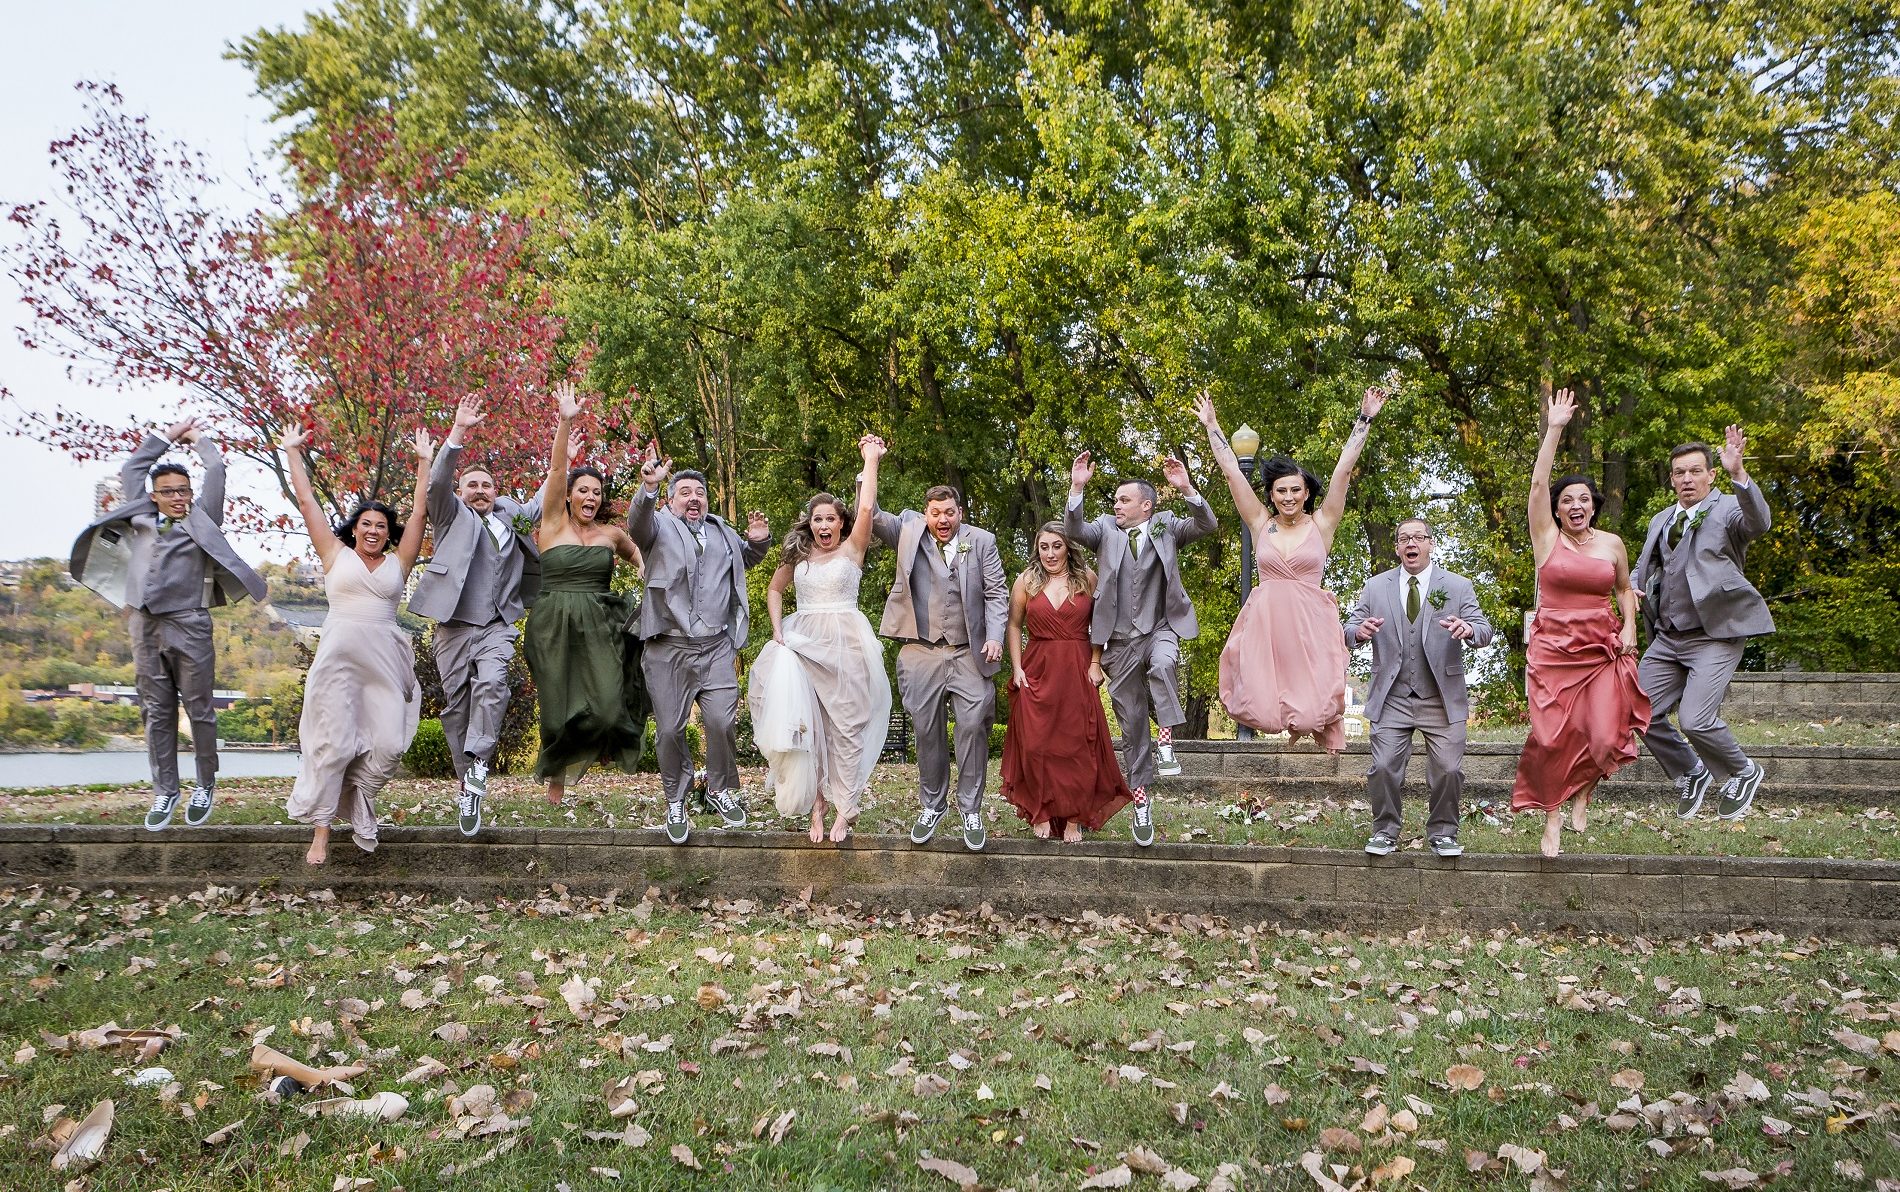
point(1246, 444)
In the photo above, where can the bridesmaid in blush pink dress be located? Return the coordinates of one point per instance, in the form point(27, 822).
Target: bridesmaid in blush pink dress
point(1586, 705)
point(1284, 666)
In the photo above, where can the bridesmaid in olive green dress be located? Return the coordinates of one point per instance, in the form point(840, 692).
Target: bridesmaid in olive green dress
point(586, 666)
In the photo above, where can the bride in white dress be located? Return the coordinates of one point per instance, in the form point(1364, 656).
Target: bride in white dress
point(820, 700)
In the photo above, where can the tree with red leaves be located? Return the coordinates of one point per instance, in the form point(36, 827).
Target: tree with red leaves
point(367, 308)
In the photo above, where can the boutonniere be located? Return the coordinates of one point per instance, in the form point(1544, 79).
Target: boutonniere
point(521, 524)
point(963, 548)
point(1695, 519)
point(1436, 598)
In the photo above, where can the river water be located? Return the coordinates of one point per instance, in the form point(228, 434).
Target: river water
point(79, 769)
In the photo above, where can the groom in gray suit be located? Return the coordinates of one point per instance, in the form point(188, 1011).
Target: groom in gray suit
point(1142, 614)
point(1700, 610)
point(1420, 620)
point(163, 556)
point(693, 621)
point(485, 572)
point(949, 605)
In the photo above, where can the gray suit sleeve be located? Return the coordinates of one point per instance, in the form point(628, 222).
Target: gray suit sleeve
point(995, 594)
point(1752, 517)
point(885, 527)
point(641, 526)
point(753, 553)
point(1472, 614)
point(442, 498)
point(132, 473)
point(1361, 609)
point(1088, 533)
point(1199, 524)
point(211, 499)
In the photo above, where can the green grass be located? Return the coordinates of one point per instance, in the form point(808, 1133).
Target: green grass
point(1184, 813)
point(741, 1013)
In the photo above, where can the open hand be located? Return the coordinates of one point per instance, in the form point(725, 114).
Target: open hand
point(294, 438)
point(1209, 416)
point(576, 443)
point(1563, 405)
point(756, 527)
point(1373, 401)
point(468, 411)
point(425, 446)
point(568, 402)
point(1733, 445)
point(1176, 474)
point(1081, 472)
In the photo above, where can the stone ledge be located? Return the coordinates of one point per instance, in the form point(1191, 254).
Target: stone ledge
point(1295, 887)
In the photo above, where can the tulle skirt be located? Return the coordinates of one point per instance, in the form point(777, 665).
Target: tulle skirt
point(821, 708)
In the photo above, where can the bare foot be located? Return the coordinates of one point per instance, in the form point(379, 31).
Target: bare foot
point(841, 828)
point(1580, 813)
point(319, 847)
point(1553, 833)
point(555, 791)
point(1072, 834)
point(1041, 830)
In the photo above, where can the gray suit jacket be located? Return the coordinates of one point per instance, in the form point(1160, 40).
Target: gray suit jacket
point(1384, 596)
point(1110, 544)
point(672, 559)
point(454, 526)
point(985, 588)
point(231, 578)
point(1727, 603)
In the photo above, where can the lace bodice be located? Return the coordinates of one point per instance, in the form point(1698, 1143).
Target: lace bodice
point(829, 584)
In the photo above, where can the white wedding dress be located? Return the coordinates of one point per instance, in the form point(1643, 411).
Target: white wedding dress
point(821, 703)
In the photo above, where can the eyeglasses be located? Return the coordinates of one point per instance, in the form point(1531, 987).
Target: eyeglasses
point(1408, 539)
point(172, 492)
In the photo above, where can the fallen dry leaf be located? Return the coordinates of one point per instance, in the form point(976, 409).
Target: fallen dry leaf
point(1118, 1176)
point(1733, 1177)
point(683, 1155)
point(223, 1134)
point(1464, 1076)
point(950, 1169)
point(87, 1142)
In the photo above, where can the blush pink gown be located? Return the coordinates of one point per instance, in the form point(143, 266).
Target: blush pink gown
point(1284, 666)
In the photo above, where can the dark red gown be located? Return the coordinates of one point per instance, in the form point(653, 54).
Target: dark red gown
point(1059, 760)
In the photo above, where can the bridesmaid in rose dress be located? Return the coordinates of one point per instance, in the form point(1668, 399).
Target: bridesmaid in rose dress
point(1586, 706)
point(1284, 666)
point(1059, 764)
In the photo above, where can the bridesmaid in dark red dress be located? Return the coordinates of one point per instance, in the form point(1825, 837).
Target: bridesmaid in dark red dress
point(1586, 706)
point(1059, 764)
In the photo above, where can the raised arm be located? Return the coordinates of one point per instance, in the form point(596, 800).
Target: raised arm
point(412, 530)
point(554, 491)
point(1018, 605)
point(1074, 522)
point(1247, 503)
point(1753, 507)
point(864, 520)
point(1543, 525)
point(1200, 521)
point(211, 494)
point(133, 473)
point(758, 539)
point(442, 495)
point(641, 525)
point(315, 523)
point(1333, 508)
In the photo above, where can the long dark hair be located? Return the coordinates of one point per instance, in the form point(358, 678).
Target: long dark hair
point(1564, 482)
point(573, 476)
point(346, 529)
point(798, 543)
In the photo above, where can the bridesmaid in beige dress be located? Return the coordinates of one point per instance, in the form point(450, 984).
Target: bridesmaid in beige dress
point(360, 704)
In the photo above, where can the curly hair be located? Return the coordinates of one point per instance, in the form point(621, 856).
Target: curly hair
point(798, 543)
point(1081, 575)
point(346, 529)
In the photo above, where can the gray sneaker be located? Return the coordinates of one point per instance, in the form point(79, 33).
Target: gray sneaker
point(469, 805)
point(198, 807)
point(159, 817)
point(1690, 791)
point(1738, 793)
point(925, 827)
point(1166, 764)
point(730, 809)
point(678, 827)
point(1444, 846)
point(1381, 845)
point(1142, 825)
point(974, 835)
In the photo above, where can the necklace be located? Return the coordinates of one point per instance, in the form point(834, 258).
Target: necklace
point(1580, 540)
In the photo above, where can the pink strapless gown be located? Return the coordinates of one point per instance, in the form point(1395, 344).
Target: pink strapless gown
point(1586, 706)
point(1284, 666)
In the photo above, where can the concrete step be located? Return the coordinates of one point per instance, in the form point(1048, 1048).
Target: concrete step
point(1825, 773)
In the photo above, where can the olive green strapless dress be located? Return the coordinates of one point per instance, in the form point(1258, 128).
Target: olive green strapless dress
point(586, 666)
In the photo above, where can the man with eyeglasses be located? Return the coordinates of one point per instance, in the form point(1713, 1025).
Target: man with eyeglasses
point(1420, 620)
point(163, 557)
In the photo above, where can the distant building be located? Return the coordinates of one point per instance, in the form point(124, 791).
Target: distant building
point(106, 494)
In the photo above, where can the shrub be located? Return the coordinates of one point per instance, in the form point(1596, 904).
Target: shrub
point(428, 754)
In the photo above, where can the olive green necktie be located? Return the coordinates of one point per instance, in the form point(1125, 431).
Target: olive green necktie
point(1134, 542)
point(1411, 600)
point(1675, 530)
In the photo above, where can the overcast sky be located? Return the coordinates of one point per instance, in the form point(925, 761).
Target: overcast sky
point(168, 61)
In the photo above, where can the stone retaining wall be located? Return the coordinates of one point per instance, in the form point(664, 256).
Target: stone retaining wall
point(1319, 888)
point(1799, 695)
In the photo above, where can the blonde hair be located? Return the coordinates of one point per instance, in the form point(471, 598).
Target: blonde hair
point(1081, 575)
